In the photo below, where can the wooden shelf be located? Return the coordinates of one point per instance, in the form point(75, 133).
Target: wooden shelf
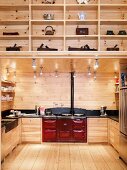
point(14, 7)
point(7, 92)
point(116, 92)
point(82, 22)
point(113, 36)
point(7, 101)
point(81, 7)
point(29, 15)
point(82, 36)
point(7, 83)
point(47, 22)
point(14, 37)
point(47, 6)
point(13, 22)
point(47, 36)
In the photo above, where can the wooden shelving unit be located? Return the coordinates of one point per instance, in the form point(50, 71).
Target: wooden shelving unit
point(26, 17)
point(7, 90)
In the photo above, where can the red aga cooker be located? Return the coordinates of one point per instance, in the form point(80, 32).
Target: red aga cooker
point(64, 130)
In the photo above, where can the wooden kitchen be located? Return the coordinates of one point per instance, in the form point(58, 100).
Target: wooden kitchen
point(63, 66)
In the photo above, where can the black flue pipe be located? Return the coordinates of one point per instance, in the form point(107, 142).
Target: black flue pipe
point(72, 93)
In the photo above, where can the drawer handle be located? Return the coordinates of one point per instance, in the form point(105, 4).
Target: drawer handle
point(65, 124)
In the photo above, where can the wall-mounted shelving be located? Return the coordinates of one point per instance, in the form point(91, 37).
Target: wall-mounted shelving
point(7, 95)
point(26, 17)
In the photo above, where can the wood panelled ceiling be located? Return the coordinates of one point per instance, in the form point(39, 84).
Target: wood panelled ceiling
point(61, 65)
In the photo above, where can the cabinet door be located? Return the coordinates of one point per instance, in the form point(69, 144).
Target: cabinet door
point(79, 135)
point(78, 124)
point(49, 135)
point(49, 124)
point(97, 130)
point(31, 130)
point(65, 124)
point(65, 135)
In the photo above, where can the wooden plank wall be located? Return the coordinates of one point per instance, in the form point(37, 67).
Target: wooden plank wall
point(50, 91)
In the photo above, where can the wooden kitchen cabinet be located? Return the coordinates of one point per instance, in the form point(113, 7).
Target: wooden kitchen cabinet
point(11, 139)
point(97, 130)
point(31, 130)
point(113, 133)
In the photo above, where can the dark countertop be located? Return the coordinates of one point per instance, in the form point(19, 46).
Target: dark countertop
point(115, 118)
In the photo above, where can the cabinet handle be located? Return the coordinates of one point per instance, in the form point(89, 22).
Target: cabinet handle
point(65, 124)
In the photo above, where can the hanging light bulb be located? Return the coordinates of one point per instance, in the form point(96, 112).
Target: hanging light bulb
point(115, 75)
point(95, 77)
point(96, 65)
point(34, 63)
point(35, 75)
point(14, 74)
point(89, 71)
point(74, 75)
point(56, 73)
point(41, 71)
point(7, 71)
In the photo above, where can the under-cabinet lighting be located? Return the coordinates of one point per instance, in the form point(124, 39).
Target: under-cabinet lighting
point(34, 63)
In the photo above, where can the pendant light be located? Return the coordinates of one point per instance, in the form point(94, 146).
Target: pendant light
point(41, 71)
point(96, 65)
point(35, 75)
point(7, 71)
point(56, 74)
point(34, 63)
point(95, 77)
point(89, 71)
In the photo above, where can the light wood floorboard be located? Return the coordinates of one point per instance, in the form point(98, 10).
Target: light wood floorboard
point(63, 156)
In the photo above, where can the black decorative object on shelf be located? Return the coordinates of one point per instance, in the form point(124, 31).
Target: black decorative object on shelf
point(48, 16)
point(10, 33)
point(82, 1)
point(115, 48)
point(122, 32)
point(83, 48)
point(14, 48)
point(82, 31)
point(110, 32)
point(49, 30)
point(48, 2)
point(46, 48)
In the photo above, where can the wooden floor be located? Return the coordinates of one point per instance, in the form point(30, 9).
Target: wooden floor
point(63, 157)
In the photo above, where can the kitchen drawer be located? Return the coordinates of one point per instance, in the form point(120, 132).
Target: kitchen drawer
point(79, 124)
point(49, 124)
point(31, 121)
point(65, 124)
point(114, 124)
point(65, 135)
point(49, 135)
point(99, 122)
point(79, 135)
